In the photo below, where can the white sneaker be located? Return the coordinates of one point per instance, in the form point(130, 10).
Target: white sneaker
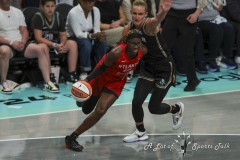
point(82, 76)
point(50, 87)
point(129, 77)
point(136, 136)
point(237, 60)
point(5, 89)
point(178, 117)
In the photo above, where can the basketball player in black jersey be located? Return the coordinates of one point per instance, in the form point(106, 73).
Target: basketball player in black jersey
point(157, 69)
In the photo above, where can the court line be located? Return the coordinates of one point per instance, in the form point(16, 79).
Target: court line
point(180, 97)
point(111, 135)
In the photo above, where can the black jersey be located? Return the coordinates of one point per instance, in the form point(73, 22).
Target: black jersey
point(50, 30)
point(157, 49)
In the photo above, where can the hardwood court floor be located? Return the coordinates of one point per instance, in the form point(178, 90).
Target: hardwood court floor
point(34, 123)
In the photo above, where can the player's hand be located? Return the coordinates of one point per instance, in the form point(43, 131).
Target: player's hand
point(165, 5)
point(101, 36)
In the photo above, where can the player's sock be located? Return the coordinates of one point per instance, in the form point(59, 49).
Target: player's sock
point(141, 128)
point(175, 108)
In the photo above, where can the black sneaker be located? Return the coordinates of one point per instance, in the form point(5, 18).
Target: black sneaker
point(53, 79)
point(72, 78)
point(191, 86)
point(212, 66)
point(201, 67)
point(73, 144)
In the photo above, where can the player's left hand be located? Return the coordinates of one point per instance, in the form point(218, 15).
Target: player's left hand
point(165, 5)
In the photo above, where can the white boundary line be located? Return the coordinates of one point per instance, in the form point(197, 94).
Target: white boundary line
point(118, 104)
point(109, 135)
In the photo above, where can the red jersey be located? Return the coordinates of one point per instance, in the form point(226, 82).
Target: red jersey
point(115, 76)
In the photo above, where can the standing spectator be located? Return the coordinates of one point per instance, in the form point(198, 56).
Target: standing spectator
point(13, 41)
point(49, 30)
point(232, 13)
point(83, 25)
point(181, 24)
point(220, 35)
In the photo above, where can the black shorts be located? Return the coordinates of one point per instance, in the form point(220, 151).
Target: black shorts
point(161, 71)
point(17, 53)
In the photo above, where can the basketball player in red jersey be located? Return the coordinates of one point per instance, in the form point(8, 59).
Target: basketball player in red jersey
point(107, 81)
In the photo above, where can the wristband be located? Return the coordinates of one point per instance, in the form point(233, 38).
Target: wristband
point(55, 45)
point(90, 35)
point(11, 43)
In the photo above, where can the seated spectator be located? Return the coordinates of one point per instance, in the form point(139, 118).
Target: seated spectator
point(112, 20)
point(14, 41)
point(83, 25)
point(49, 31)
point(30, 3)
point(127, 6)
point(232, 13)
point(220, 35)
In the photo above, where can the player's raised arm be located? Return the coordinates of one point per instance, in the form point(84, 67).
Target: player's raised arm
point(153, 23)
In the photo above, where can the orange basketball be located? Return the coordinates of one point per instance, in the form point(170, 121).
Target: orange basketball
point(81, 91)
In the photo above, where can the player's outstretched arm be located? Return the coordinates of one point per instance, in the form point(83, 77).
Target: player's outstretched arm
point(164, 7)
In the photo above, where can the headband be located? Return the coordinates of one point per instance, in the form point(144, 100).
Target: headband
point(134, 35)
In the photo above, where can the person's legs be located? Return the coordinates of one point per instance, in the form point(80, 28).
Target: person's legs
point(228, 39)
point(39, 51)
point(6, 54)
point(142, 89)
point(89, 105)
point(214, 33)
point(105, 102)
point(72, 55)
point(156, 106)
point(84, 53)
point(99, 48)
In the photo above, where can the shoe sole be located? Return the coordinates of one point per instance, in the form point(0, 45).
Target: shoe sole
point(51, 91)
point(7, 93)
point(182, 110)
point(139, 139)
point(68, 147)
point(226, 66)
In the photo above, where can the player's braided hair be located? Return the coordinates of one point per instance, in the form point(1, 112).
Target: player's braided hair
point(133, 33)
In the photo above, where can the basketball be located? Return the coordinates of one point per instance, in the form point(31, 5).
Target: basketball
point(81, 91)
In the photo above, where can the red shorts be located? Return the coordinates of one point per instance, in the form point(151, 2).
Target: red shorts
point(102, 81)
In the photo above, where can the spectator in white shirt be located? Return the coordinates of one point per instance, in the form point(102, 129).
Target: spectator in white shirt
point(83, 25)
